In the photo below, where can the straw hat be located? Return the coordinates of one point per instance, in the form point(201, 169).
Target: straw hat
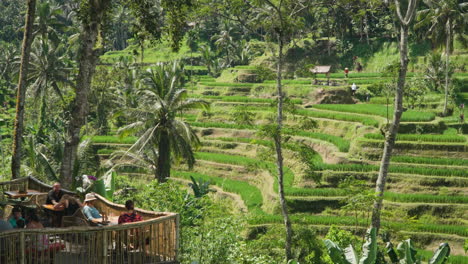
point(90, 197)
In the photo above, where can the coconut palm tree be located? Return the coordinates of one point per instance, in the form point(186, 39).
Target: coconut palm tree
point(49, 21)
point(49, 67)
point(445, 19)
point(158, 125)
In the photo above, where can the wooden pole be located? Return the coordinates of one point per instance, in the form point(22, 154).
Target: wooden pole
point(104, 247)
point(22, 249)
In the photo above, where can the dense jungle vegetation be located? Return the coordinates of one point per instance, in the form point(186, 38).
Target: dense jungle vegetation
point(211, 109)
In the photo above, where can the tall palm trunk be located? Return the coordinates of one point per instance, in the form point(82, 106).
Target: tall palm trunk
point(163, 169)
point(279, 152)
point(21, 93)
point(447, 61)
point(42, 114)
point(390, 136)
point(87, 60)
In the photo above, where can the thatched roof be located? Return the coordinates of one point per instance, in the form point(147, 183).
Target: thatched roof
point(321, 69)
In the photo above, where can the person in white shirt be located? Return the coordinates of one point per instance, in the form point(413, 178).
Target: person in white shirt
point(353, 89)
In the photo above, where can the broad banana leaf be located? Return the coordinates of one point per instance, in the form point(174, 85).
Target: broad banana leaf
point(369, 249)
point(441, 255)
point(407, 253)
point(391, 253)
point(110, 185)
point(335, 252)
point(351, 255)
point(100, 188)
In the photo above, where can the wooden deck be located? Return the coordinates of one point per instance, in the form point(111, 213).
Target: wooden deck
point(153, 240)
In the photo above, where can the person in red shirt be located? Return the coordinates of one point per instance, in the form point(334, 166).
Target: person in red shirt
point(130, 216)
point(346, 71)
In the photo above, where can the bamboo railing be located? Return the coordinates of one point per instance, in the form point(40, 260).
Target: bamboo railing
point(149, 241)
point(153, 240)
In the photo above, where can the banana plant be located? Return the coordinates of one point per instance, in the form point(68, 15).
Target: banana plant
point(408, 255)
point(404, 254)
point(350, 256)
point(200, 188)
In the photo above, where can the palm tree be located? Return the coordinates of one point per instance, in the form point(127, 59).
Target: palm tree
point(49, 21)
point(49, 67)
point(445, 19)
point(163, 98)
point(20, 98)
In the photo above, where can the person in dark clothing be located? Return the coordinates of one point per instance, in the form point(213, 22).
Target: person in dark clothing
point(71, 204)
point(55, 195)
point(20, 223)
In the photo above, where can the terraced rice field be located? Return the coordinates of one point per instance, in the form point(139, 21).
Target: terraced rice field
point(427, 193)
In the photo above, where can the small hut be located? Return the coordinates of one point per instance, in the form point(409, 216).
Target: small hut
point(153, 240)
point(321, 70)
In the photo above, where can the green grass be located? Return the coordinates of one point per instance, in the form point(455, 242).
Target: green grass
point(105, 151)
point(368, 121)
point(223, 84)
point(395, 169)
point(430, 160)
point(421, 145)
point(388, 196)
point(290, 81)
point(251, 195)
point(342, 144)
point(242, 99)
point(418, 137)
point(428, 99)
point(350, 221)
point(425, 198)
point(114, 139)
point(380, 110)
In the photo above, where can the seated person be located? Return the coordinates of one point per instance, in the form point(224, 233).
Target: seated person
point(91, 213)
point(130, 216)
point(15, 217)
point(4, 225)
point(33, 220)
point(55, 195)
point(70, 204)
point(21, 223)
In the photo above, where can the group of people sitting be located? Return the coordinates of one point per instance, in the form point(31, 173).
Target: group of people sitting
point(30, 221)
point(66, 205)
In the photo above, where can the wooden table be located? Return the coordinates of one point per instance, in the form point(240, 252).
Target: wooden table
point(28, 193)
point(52, 208)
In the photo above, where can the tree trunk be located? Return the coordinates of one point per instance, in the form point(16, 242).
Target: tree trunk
point(279, 152)
point(447, 61)
point(163, 169)
point(391, 134)
point(88, 57)
point(42, 115)
point(21, 93)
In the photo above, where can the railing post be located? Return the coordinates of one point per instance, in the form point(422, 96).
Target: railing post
point(22, 249)
point(177, 237)
point(104, 247)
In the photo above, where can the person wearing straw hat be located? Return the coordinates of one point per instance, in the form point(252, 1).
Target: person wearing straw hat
point(90, 211)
